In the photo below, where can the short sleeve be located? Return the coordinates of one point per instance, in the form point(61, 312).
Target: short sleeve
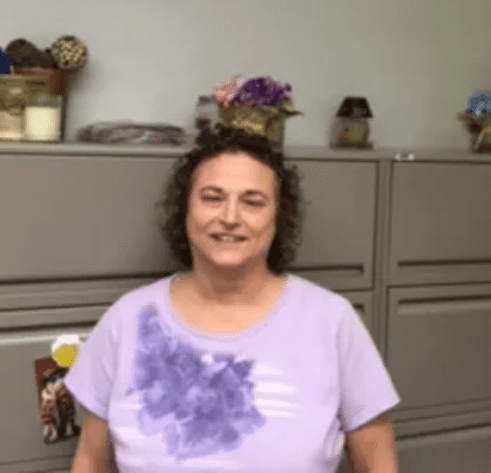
point(366, 389)
point(91, 377)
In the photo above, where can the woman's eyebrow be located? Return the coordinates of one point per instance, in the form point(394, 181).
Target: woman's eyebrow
point(220, 190)
point(211, 188)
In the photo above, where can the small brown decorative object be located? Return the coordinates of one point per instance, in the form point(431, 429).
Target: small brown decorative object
point(351, 128)
point(56, 409)
point(21, 52)
point(69, 53)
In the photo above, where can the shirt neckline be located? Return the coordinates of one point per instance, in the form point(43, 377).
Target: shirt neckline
point(220, 339)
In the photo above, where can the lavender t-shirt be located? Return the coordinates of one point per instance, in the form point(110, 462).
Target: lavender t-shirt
point(279, 397)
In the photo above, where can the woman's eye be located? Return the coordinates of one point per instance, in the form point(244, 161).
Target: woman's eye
point(255, 203)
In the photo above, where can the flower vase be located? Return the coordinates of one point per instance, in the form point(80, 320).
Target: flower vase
point(263, 121)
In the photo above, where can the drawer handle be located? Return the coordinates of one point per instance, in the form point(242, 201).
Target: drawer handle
point(443, 263)
point(405, 156)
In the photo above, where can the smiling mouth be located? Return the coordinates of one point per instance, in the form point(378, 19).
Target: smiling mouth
point(228, 238)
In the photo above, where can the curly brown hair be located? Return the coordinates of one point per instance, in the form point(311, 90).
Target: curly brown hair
point(290, 215)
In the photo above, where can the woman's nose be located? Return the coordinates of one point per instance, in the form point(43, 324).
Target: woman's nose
point(231, 212)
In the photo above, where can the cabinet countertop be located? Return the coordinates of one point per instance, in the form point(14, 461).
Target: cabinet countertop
point(291, 152)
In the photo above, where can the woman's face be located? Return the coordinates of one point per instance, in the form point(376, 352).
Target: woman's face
point(231, 218)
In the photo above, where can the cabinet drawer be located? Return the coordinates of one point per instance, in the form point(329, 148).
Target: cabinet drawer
point(32, 315)
point(77, 216)
point(440, 223)
point(456, 452)
point(52, 465)
point(21, 430)
point(339, 230)
point(47, 295)
point(465, 451)
point(439, 350)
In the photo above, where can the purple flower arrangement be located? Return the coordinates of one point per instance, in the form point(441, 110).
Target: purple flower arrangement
point(477, 120)
point(258, 105)
point(258, 91)
point(261, 91)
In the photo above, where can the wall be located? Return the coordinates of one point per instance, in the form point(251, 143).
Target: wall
point(416, 61)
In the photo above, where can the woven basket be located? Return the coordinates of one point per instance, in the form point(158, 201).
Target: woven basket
point(262, 121)
point(479, 127)
point(57, 79)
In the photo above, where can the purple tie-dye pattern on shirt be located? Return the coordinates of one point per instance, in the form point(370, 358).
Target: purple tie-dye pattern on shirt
point(200, 408)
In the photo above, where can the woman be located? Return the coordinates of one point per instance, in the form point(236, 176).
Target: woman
point(233, 364)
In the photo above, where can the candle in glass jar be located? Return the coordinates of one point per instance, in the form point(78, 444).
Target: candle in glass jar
point(42, 123)
point(42, 113)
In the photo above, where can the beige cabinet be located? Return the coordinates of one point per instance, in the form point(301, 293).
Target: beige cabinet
point(408, 243)
point(438, 306)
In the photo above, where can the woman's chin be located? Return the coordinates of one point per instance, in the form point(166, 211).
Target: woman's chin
point(229, 262)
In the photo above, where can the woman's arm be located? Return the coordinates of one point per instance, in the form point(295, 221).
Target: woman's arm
point(93, 454)
point(371, 448)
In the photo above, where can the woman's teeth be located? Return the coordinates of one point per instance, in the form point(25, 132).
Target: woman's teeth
point(228, 239)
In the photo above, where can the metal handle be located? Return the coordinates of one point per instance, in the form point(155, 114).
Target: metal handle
point(405, 156)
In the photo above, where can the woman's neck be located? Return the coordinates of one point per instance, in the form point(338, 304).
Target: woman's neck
point(230, 288)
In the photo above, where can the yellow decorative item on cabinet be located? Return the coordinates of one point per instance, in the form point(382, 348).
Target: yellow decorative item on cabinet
point(65, 349)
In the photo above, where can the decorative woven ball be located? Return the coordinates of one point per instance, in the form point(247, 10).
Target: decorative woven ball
point(69, 53)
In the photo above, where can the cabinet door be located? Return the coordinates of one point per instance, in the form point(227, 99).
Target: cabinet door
point(77, 216)
point(440, 223)
point(339, 231)
point(31, 317)
point(21, 430)
point(457, 452)
point(439, 350)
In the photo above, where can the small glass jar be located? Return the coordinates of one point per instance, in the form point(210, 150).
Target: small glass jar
point(12, 102)
point(207, 116)
point(42, 116)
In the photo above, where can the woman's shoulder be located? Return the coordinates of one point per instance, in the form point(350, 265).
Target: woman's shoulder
point(316, 293)
point(314, 298)
point(137, 299)
point(144, 294)
point(318, 312)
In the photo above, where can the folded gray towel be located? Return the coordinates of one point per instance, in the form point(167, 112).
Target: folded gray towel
point(133, 133)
